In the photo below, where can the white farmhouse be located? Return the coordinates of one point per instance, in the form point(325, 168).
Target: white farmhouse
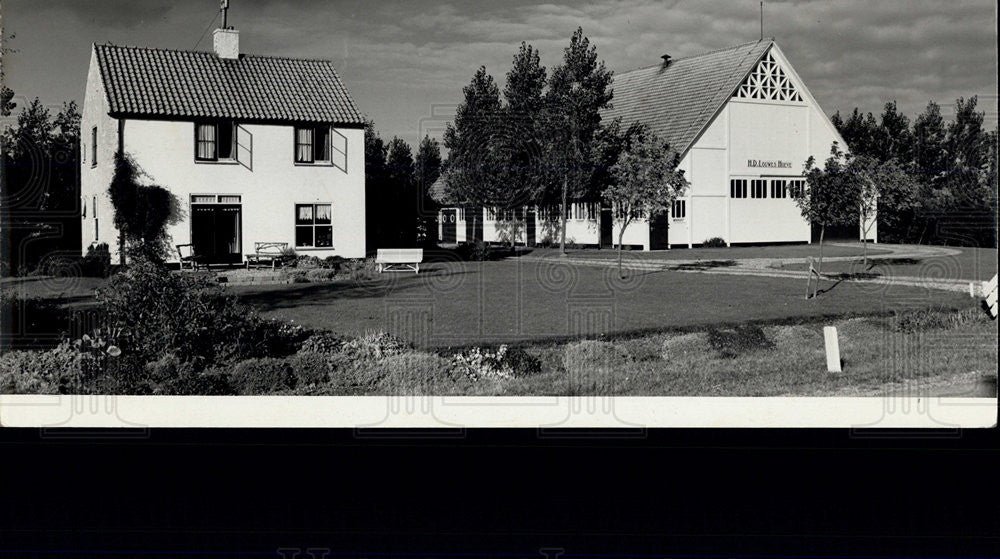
point(256, 149)
point(744, 124)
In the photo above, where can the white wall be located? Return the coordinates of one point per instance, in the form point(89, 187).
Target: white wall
point(759, 130)
point(94, 180)
point(165, 150)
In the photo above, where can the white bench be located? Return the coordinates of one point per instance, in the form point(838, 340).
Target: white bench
point(988, 291)
point(399, 259)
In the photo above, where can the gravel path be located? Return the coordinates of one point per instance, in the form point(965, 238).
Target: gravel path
point(773, 267)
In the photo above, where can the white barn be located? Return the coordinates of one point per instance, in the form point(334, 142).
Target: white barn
point(255, 148)
point(744, 124)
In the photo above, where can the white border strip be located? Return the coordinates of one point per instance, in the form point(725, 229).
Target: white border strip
point(889, 412)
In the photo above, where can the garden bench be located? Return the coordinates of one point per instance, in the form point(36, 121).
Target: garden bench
point(399, 259)
point(186, 255)
point(267, 253)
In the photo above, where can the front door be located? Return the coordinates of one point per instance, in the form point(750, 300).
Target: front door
point(216, 232)
point(449, 227)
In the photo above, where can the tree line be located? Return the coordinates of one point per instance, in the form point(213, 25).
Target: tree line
point(541, 142)
point(951, 197)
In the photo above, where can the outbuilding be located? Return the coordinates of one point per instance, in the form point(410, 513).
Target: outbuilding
point(744, 123)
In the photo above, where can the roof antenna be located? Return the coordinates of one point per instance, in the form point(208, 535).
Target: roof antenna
point(224, 6)
point(761, 19)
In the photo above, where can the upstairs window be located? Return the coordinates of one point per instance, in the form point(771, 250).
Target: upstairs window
point(215, 141)
point(312, 145)
point(758, 189)
point(738, 188)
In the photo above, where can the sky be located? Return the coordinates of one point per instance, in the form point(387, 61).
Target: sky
point(406, 62)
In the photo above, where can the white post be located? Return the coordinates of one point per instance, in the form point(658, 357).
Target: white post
point(832, 349)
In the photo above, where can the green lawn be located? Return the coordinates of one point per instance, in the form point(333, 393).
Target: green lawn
point(971, 264)
point(458, 304)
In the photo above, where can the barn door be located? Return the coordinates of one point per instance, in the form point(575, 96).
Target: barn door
point(449, 231)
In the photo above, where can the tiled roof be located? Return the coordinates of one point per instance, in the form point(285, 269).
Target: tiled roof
point(679, 101)
point(190, 84)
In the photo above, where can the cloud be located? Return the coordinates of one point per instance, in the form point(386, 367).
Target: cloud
point(402, 58)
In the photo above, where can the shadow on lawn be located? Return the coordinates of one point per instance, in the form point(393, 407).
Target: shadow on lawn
point(292, 295)
point(703, 265)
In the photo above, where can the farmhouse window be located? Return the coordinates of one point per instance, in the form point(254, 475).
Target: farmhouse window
point(313, 225)
point(738, 188)
point(215, 141)
point(313, 144)
point(758, 189)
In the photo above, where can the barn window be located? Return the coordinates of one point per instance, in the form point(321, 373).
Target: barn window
point(679, 209)
point(738, 188)
point(797, 188)
point(768, 82)
point(779, 188)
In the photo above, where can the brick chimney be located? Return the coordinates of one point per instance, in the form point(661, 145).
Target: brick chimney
point(227, 43)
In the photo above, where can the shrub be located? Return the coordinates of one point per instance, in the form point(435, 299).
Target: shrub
point(310, 369)
point(265, 375)
point(97, 262)
point(40, 322)
point(323, 343)
point(156, 312)
point(410, 373)
point(714, 242)
point(62, 370)
point(503, 363)
point(170, 375)
point(475, 252)
point(375, 345)
point(746, 338)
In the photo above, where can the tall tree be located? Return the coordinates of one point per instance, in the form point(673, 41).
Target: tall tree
point(578, 89)
point(427, 169)
point(520, 141)
point(472, 176)
point(376, 152)
point(400, 194)
point(894, 140)
point(860, 131)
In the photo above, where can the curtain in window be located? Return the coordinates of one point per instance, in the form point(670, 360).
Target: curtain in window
point(323, 214)
point(322, 151)
point(304, 144)
point(206, 141)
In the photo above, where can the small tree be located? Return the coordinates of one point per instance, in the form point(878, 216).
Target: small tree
point(829, 199)
point(644, 181)
point(886, 193)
